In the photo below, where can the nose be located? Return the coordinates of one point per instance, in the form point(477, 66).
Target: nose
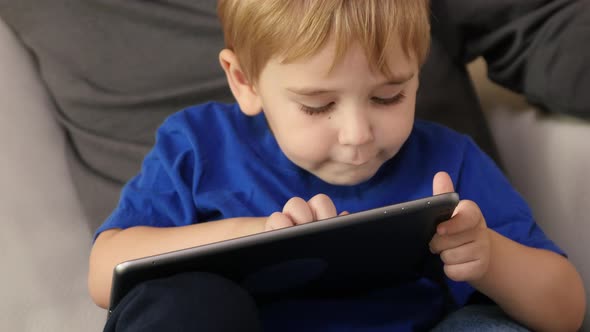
point(355, 129)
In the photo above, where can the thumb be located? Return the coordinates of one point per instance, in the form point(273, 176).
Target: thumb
point(442, 183)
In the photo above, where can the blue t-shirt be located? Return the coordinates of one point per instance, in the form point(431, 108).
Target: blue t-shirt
point(212, 162)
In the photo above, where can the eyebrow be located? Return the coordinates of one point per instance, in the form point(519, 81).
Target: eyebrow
point(398, 79)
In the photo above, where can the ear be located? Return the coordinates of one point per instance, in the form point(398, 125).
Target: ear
point(244, 92)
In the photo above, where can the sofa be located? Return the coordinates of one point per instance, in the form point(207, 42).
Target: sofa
point(45, 239)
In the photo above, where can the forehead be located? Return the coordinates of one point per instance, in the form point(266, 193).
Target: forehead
point(326, 64)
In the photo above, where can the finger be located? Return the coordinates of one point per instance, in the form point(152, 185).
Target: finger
point(465, 271)
point(462, 254)
point(322, 207)
point(298, 210)
point(467, 216)
point(277, 220)
point(442, 183)
point(440, 243)
point(344, 213)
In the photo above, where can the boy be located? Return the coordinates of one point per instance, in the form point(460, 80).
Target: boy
point(325, 124)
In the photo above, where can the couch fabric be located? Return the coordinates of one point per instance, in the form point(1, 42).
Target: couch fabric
point(44, 238)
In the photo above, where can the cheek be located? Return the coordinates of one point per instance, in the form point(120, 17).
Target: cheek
point(301, 137)
point(395, 127)
point(305, 143)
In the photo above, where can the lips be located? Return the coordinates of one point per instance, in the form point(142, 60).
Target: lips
point(359, 158)
point(359, 162)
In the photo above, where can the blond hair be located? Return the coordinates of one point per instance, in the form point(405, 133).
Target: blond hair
point(257, 30)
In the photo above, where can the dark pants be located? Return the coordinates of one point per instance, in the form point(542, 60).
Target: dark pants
point(209, 303)
point(186, 302)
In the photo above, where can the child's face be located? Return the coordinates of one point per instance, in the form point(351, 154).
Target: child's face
point(341, 125)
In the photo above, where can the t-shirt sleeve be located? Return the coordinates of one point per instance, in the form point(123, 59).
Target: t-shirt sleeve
point(503, 208)
point(161, 194)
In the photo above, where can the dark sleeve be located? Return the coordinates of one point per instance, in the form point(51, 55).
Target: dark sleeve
point(537, 47)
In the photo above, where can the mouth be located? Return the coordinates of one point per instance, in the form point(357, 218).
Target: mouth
point(358, 163)
point(361, 159)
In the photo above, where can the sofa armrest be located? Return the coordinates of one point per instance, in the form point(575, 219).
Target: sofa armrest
point(45, 239)
point(547, 158)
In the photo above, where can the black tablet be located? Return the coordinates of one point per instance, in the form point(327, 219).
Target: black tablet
point(351, 252)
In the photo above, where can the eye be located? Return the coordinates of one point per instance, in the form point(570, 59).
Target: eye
point(389, 101)
point(317, 110)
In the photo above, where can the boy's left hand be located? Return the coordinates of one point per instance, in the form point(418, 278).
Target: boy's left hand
point(463, 242)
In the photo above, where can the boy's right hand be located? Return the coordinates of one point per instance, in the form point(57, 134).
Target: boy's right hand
point(297, 211)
